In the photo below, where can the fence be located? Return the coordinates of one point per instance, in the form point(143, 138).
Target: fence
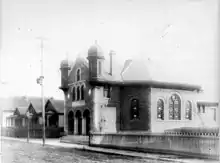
point(191, 146)
point(21, 132)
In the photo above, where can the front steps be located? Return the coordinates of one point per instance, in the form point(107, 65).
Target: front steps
point(75, 139)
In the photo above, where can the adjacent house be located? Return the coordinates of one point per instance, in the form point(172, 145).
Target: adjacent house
point(18, 120)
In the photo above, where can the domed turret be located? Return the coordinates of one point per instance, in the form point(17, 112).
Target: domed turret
point(95, 51)
point(64, 68)
point(96, 62)
point(64, 63)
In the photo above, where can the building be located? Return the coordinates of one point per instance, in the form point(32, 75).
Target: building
point(123, 100)
point(17, 121)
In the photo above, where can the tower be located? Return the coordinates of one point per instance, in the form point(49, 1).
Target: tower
point(64, 68)
point(96, 62)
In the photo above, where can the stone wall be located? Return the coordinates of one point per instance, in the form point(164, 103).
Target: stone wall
point(191, 146)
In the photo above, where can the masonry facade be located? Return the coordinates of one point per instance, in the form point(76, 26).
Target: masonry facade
point(101, 101)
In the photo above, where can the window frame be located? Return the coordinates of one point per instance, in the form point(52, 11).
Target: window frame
point(172, 107)
point(99, 67)
point(74, 94)
point(78, 74)
point(107, 88)
point(82, 92)
point(162, 110)
point(189, 112)
point(78, 93)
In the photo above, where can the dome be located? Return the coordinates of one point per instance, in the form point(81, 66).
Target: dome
point(95, 50)
point(64, 63)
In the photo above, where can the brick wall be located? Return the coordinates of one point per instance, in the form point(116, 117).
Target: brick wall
point(143, 95)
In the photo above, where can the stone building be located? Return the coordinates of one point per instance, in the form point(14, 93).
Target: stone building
point(123, 99)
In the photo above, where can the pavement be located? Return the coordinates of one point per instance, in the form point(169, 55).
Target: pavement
point(56, 142)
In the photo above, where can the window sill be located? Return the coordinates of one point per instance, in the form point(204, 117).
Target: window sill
point(135, 120)
point(169, 120)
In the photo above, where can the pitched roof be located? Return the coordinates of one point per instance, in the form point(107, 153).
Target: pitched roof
point(58, 105)
point(11, 103)
point(37, 103)
point(144, 70)
point(22, 110)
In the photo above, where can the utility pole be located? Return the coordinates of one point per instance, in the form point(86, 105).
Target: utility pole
point(40, 81)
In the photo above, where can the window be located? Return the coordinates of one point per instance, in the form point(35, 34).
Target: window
point(78, 75)
point(189, 110)
point(82, 92)
point(134, 109)
point(174, 107)
point(203, 108)
point(107, 91)
point(160, 109)
point(214, 114)
point(78, 94)
point(199, 110)
point(74, 94)
point(100, 68)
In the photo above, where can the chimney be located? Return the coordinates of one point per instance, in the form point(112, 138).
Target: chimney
point(111, 54)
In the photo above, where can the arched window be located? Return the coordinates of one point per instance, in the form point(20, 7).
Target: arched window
point(82, 92)
point(78, 94)
point(175, 107)
point(134, 109)
point(189, 110)
point(74, 94)
point(78, 75)
point(100, 68)
point(160, 109)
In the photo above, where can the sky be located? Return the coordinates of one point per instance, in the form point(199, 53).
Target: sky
point(180, 35)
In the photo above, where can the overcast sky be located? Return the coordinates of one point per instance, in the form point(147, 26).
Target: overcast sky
point(181, 35)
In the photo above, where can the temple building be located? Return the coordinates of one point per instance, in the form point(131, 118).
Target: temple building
point(122, 99)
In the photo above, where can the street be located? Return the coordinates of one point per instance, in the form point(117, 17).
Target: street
point(22, 152)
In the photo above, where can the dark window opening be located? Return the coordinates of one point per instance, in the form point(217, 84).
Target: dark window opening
point(107, 91)
point(82, 93)
point(78, 94)
point(100, 68)
point(78, 75)
point(74, 94)
point(203, 109)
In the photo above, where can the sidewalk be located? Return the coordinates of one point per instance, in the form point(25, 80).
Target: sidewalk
point(56, 142)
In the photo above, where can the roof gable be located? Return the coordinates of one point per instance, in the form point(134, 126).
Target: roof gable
point(80, 63)
point(16, 112)
point(58, 105)
point(22, 110)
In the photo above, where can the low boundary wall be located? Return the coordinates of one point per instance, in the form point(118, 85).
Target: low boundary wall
point(182, 145)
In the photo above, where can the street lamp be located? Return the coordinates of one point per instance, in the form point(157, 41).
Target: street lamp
point(29, 115)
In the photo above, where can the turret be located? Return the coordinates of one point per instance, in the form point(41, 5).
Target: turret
point(96, 62)
point(64, 68)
